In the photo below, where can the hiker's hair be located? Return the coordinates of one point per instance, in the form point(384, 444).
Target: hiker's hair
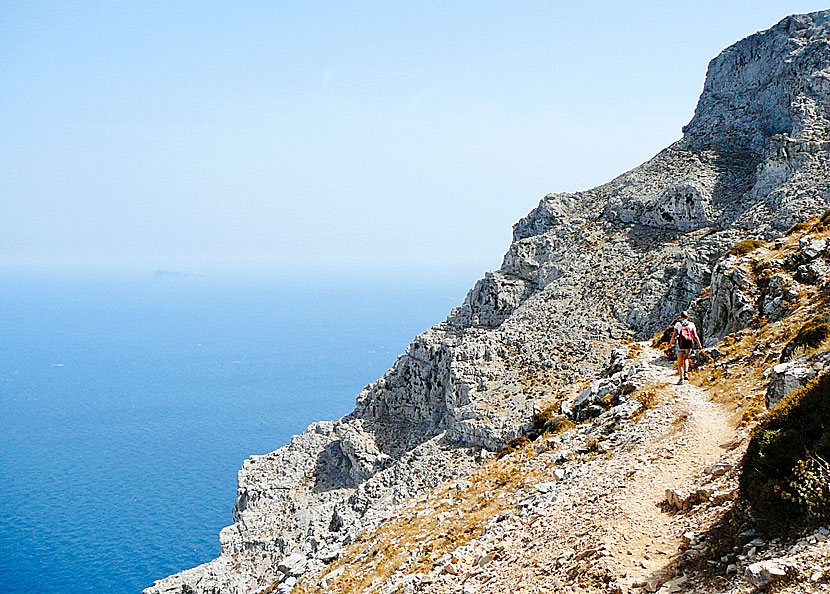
point(684, 314)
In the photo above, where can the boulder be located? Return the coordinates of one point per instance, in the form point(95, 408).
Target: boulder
point(787, 377)
point(604, 392)
point(764, 572)
point(293, 565)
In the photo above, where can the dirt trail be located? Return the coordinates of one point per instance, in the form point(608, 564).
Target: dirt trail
point(609, 525)
point(702, 437)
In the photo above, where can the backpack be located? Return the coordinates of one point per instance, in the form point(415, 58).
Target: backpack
point(686, 339)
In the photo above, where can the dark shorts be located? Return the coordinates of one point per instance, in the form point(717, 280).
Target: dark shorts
point(683, 351)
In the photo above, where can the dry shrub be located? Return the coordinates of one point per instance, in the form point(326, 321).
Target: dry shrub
point(823, 223)
point(810, 336)
point(799, 227)
point(663, 337)
point(744, 247)
point(648, 398)
point(549, 421)
point(811, 486)
point(681, 418)
point(561, 426)
point(784, 483)
point(514, 445)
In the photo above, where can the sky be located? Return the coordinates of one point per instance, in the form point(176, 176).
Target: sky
point(310, 135)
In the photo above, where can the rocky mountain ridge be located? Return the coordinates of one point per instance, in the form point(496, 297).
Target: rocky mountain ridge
point(585, 271)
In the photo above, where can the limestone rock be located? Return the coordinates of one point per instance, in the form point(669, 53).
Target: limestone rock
point(293, 565)
point(605, 392)
point(764, 572)
point(787, 377)
point(781, 290)
point(731, 300)
point(361, 450)
point(680, 500)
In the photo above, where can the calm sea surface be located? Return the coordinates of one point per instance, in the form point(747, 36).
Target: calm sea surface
point(127, 407)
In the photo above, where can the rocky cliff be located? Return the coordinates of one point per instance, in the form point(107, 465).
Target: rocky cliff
point(584, 271)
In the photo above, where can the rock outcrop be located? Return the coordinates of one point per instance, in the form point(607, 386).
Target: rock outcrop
point(584, 271)
point(787, 377)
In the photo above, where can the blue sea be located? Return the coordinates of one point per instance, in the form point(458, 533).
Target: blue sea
point(127, 405)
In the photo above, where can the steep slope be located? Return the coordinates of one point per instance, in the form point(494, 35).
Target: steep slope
point(584, 271)
point(642, 494)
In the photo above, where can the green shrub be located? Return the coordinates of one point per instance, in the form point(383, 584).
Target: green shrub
point(785, 475)
point(810, 336)
point(811, 486)
point(744, 247)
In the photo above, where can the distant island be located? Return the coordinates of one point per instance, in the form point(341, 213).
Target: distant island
point(164, 274)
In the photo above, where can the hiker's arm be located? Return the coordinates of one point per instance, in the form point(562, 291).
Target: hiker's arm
point(697, 338)
point(673, 336)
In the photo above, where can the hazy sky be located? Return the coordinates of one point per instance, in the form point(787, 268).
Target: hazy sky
point(188, 135)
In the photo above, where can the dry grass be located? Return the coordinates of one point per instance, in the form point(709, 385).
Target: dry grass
point(802, 227)
point(635, 350)
point(737, 382)
point(820, 224)
point(514, 445)
point(429, 527)
point(810, 336)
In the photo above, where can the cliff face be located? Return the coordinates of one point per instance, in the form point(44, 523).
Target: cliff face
point(584, 271)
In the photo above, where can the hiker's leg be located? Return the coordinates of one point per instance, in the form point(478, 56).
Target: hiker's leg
point(682, 358)
point(679, 363)
point(688, 364)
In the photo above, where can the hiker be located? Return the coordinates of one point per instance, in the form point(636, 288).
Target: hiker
point(686, 334)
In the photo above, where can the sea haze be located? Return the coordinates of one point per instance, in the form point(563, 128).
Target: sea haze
point(129, 405)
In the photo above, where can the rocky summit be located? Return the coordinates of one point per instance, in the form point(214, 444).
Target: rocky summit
point(586, 272)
